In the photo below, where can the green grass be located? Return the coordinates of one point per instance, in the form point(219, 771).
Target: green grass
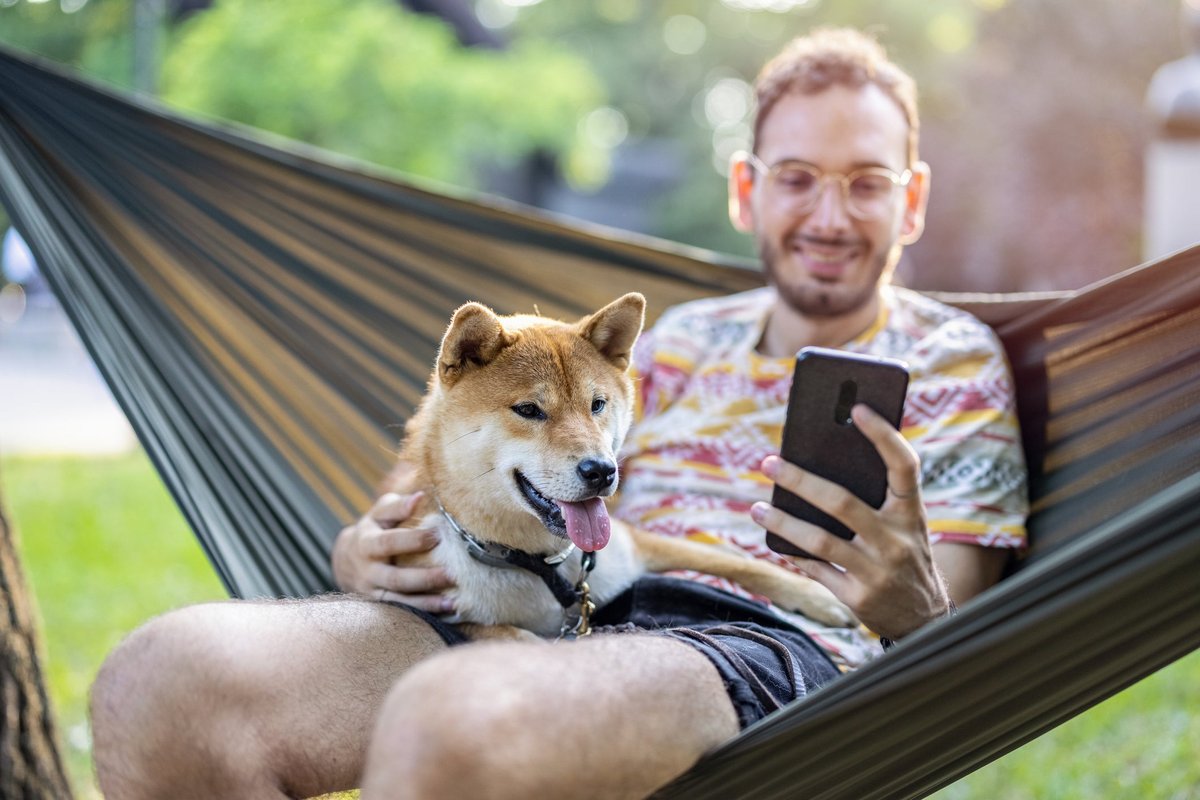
point(1142, 744)
point(105, 549)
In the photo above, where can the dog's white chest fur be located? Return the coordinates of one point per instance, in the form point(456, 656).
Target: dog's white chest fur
point(490, 595)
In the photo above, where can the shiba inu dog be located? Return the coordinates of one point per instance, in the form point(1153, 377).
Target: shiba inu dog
point(515, 446)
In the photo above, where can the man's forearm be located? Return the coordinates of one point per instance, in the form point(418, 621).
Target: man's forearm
point(968, 569)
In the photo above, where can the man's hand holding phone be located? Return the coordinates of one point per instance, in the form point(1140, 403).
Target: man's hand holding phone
point(885, 570)
point(887, 576)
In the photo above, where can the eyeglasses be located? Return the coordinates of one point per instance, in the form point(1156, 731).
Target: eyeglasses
point(867, 192)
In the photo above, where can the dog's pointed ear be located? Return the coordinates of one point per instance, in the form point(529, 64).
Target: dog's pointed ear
point(613, 329)
point(474, 338)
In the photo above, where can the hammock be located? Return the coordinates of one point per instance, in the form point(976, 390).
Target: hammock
point(267, 317)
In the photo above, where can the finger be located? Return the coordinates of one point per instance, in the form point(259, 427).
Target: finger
point(407, 580)
point(384, 544)
point(903, 464)
point(433, 603)
point(388, 502)
point(836, 501)
point(808, 537)
point(392, 508)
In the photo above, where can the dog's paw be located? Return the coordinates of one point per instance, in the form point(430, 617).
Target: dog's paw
point(829, 611)
point(818, 604)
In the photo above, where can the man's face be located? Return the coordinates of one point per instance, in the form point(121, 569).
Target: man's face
point(823, 261)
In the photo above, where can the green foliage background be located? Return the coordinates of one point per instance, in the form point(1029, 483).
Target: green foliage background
point(97, 39)
point(364, 79)
point(371, 80)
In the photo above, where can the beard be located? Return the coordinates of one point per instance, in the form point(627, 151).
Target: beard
point(816, 299)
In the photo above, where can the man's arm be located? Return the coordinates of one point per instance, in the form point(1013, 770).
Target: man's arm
point(968, 569)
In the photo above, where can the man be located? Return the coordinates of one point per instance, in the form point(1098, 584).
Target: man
point(292, 699)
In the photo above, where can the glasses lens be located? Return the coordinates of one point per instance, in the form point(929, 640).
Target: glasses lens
point(797, 180)
point(870, 193)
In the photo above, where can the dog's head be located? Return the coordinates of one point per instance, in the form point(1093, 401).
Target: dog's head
point(530, 413)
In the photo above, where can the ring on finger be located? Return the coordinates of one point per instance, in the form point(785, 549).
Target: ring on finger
point(903, 496)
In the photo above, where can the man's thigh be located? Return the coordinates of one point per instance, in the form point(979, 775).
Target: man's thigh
point(266, 691)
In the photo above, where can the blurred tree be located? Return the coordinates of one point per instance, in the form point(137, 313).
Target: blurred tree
point(29, 754)
point(372, 81)
point(364, 78)
point(95, 38)
point(460, 15)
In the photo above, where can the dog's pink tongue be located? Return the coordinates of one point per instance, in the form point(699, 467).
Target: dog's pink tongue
point(588, 525)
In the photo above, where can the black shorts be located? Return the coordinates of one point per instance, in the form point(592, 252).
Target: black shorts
point(764, 661)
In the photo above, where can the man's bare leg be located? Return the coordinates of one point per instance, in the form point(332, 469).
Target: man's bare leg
point(249, 699)
point(607, 717)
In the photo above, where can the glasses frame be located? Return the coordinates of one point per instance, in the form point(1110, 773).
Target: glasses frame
point(843, 179)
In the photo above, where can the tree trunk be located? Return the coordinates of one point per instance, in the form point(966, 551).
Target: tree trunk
point(30, 766)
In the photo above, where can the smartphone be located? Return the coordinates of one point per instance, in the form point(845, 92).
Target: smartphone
point(819, 435)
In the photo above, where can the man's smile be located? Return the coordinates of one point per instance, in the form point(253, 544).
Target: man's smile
point(825, 260)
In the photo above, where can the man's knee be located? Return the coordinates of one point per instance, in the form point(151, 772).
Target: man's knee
point(144, 674)
point(162, 696)
point(454, 726)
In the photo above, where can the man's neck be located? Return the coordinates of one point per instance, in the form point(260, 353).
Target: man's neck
point(787, 330)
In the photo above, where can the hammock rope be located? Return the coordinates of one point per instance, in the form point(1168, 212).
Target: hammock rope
point(266, 316)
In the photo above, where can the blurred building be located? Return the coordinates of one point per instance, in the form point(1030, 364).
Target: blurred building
point(1173, 158)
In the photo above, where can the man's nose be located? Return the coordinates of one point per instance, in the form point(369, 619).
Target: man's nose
point(597, 473)
point(830, 213)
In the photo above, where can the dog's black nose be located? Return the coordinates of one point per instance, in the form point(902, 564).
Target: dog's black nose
point(597, 473)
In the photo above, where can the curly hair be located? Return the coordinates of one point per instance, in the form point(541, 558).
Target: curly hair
point(827, 56)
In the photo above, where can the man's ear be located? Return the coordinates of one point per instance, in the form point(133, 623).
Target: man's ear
point(613, 329)
point(741, 189)
point(916, 198)
point(474, 338)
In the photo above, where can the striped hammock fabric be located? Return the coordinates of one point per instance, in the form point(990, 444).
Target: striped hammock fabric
point(267, 316)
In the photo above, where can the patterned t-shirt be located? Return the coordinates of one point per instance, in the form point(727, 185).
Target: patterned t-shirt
point(710, 408)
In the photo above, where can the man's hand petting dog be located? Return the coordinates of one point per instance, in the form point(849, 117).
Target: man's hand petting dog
point(363, 557)
point(887, 575)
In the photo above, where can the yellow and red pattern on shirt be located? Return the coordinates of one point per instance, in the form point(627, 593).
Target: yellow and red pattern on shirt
point(710, 408)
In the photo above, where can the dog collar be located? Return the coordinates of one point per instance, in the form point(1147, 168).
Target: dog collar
point(545, 567)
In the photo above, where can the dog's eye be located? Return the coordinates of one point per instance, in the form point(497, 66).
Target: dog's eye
point(598, 405)
point(529, 411)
